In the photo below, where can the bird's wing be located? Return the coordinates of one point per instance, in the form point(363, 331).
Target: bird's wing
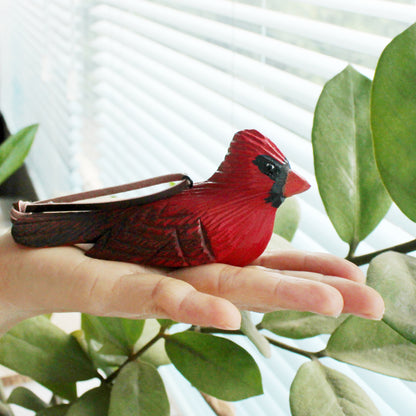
point(156, 235)
point(57, 228)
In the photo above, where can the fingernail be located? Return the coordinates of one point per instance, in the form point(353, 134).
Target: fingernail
point(372, 316)
point(332, 314)
point(228, 326)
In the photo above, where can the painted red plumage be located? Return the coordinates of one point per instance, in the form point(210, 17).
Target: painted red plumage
point(228, 218)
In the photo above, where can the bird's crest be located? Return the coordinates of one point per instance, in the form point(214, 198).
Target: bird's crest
point(244, 148)
point(253, 143)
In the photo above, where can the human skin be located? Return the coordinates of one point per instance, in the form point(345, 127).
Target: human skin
point(63, 279)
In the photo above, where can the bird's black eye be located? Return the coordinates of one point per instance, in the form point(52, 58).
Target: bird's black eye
point(269, 166)
point(270, 169)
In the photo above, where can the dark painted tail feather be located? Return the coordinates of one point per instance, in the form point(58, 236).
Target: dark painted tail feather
point(56, 229)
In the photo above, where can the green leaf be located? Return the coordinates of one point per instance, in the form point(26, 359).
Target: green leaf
point(26, 398)
point(166, 323)
point(58, 410)
point(393, 275)
point(254, 335)
point(375, 346)
point(110, 340)
point(105, 362)
point(321, 391)
point(287, 219)
point(393, 119)
point(113, 336)
point(155, 355)
point(139, 390)
point(79, 335)
point(67, 391)
point(14, 151)
point(297, 325)
point(94, 402)
point(214, 365)
point(39, 349)
point(345, 168)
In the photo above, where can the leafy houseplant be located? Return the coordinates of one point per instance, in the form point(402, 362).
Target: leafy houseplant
point(364, 151)
point(14, 150)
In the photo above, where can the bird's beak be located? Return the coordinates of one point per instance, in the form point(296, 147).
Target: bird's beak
point(295, 184)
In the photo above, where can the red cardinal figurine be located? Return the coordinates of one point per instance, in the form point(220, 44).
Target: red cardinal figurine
point(227, 219)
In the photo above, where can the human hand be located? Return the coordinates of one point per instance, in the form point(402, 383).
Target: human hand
point(63, 279)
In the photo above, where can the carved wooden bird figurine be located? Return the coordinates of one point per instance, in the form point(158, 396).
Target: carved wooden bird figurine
point(227, 219)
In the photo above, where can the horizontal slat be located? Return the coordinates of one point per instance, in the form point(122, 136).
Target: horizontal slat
point(36, 11)
point(28, 21)
point(317, 226)
point(388, 234)
point(282, 112)
point(190, 135)
point(164, 84)
point(44, 112)
point(327, 33)
point(47, 109)
point(124, 169)
point(110, 115)
point(295, 89)
point(62, 14)
point(121, 92)
point(45, 160)
point(287, 54)
point(61, 33)
point(242, 118)
point(398, 218)
point(157, 159)
point(43, 76)
point(378, 8)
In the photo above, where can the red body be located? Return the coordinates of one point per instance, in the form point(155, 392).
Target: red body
point(225, 219)
point(200, 225)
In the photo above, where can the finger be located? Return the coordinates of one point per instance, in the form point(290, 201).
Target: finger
point(323, 263)
point(257, 289)
point(64, 279)
point(157, 296)
point(359, 299)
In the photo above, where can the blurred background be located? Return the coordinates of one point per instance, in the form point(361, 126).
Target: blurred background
point(128, 89)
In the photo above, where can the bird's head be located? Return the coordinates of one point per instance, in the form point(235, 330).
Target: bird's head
point(254, 163)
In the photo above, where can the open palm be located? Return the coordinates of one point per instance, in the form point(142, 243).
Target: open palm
point(63, 279)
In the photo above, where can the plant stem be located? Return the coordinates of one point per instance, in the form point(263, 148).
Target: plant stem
point(99, 376)
point(353, 248)
point(137, 354)
point(308, 354)
point(205, 330)
point(400, 248)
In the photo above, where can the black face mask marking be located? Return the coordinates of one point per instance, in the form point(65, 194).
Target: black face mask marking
point(278, 173)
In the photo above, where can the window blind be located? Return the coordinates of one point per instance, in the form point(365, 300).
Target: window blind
point(39, 84)
point(129, 89)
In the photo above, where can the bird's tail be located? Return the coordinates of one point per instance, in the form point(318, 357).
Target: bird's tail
point(65, 221)
point(49, 229)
